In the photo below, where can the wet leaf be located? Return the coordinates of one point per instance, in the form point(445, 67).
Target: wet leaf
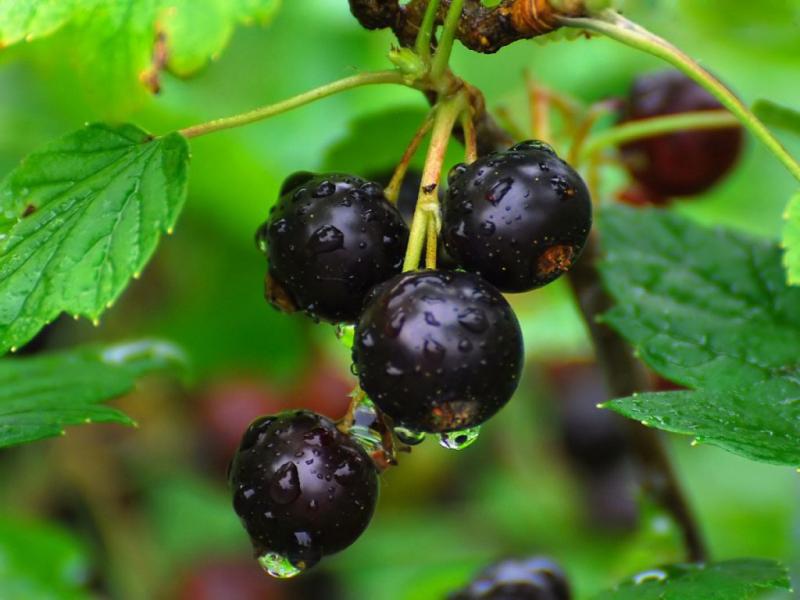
point(711, 310)
point(791, 240)
point(79, 218)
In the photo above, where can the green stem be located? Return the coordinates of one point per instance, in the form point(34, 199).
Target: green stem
point(619, 28)
point(634, 130)
point(442, 58)
point(422, 45)
point(291, 103)
point(426, 212)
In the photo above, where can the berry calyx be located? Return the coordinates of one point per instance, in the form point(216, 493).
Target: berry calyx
point(683, 163)
point(438, 351)
point(519, 218)
point(302, 489)
point(534, 578)
point(329, 240)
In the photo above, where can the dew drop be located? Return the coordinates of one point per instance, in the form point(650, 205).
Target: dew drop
point(318, 437)
point(487, 228)
point(326, 188)
point(458, 440)
point(261, 237)
point(393, 370)
point(430, 319)
point(651, 575)
point(346, 334)
point(473, 319)
point(456, 172)
point(464, 345)
point(433, 350)
point(278, 566)
point(325, 239)
point(408, 436)
point(499, 190)
point(284, 487)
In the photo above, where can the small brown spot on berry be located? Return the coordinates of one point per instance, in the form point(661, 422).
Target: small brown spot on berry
point(555, 260)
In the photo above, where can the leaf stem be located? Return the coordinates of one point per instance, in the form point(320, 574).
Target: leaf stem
point(392, 190)
point(634, 130)
point(617, 27)
point(422, 45)
point(470, 136)
point(426, 214)
point(271, 110)
point(442, 58)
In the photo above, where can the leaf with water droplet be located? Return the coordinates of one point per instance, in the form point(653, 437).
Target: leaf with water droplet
point(741, 579)
point(710, 310)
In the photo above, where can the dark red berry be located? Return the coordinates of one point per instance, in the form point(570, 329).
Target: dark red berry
point(302, 488)
point(527, 579)
point(518, 218)
point(328, 242)
point(684, 163)
point(438, 351)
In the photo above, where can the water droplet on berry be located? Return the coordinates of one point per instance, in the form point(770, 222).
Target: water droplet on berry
point(393, 370)
point(278, 566)
point(499, 190)
point(458, 440)
point(326, 239)
point(346, 334)
point(651, 575)
point(430, 319)
point(284, 487)
point(464, 345)
point(326, 188)
point(433, 350)
point(474, 320)
point(408, 436)
point(487, 228)
point(455, 172)
point(261, 237)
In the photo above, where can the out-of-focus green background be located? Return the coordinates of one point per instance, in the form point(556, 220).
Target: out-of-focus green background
point(144, 513)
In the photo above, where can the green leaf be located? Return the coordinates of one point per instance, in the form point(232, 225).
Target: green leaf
point(791, 240)
point(40, 561)
point(120, 45)
point(42, 394)
point(740, 579)
point(79, 218)
point(711, 310)
point(775, 115)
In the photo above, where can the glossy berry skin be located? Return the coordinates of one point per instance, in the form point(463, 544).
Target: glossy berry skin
point(328, 241)
point(302, 488)
point(438, 351)
point(683, 163)
point(518, 218)
point(534, 578)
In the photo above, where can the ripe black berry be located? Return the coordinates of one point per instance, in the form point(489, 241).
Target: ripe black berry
point(302, 489)
point(682, 163)
point(329, 240)
point(438, 351)
point(528, 579)
point(519, 218)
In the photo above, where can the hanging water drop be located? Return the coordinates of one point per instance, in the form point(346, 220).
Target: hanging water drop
point(346, 334)
point(409, 437)
point(458, 440)
point(278, 566)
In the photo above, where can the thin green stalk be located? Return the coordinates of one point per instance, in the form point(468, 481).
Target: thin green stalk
point(634, 130)
point(617, 27)
point(422, 44)
point(291, 103)
point(427, 210)
point(442, 58)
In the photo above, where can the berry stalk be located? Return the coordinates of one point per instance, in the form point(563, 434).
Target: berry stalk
point(617, 27)
point(393, 189)
point(265, 112)
point(426, 214)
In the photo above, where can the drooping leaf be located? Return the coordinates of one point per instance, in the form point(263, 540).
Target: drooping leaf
point(741, 579)
point(709, 309)
point(40, 561)
point(79, 218)
point(791, 240)
point(122, 45)
point(779, 116)
point(40, 395)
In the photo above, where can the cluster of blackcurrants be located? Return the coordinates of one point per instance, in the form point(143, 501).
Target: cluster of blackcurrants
point(437, 350)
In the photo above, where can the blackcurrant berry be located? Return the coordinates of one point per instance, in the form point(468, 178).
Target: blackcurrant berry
point(683, 163)
point(518, 218)
point(329, 240)
point(302, 489)
point(438, 351)
point(528, 579)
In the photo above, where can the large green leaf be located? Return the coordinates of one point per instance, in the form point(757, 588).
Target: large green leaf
point(41, 562)
point(79, 218)
point(709, 309)
point(42, 394)
point(791, 240)
point(730, 580)
point(120, 44)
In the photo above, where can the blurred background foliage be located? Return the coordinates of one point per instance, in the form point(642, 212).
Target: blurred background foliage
point(145, 513)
